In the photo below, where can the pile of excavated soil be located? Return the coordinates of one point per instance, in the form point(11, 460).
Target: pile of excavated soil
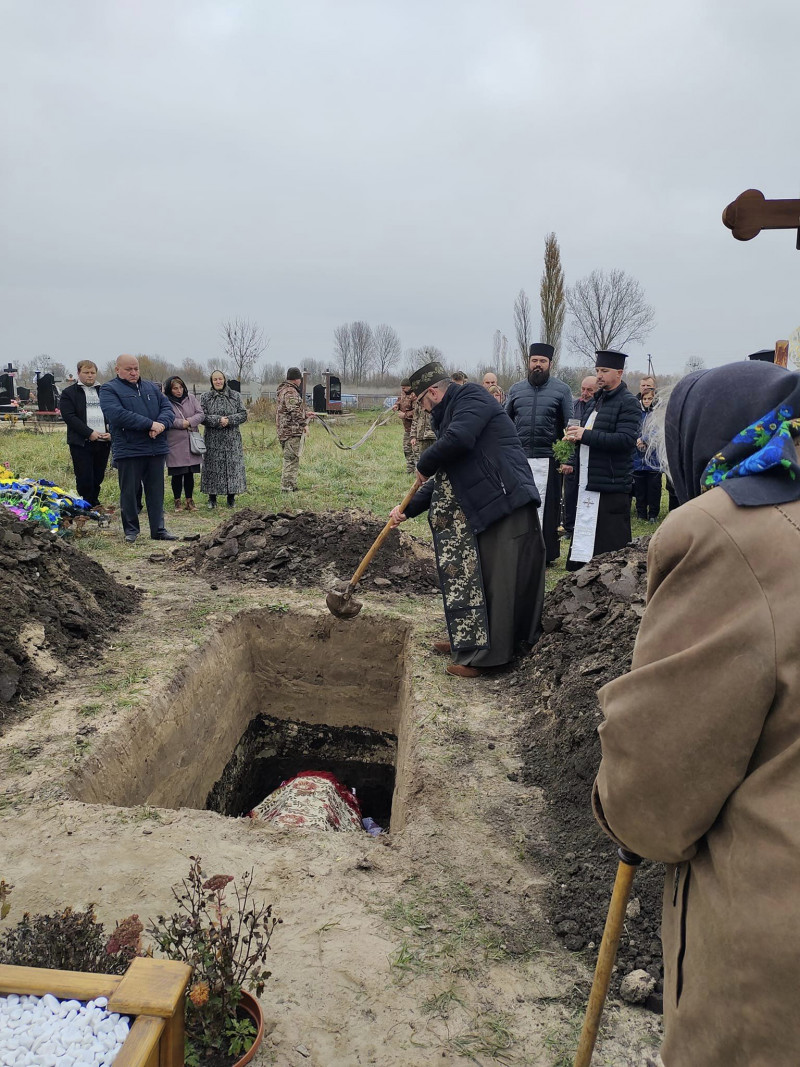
point(590, 620)
point(55, 603)
point(311, 549)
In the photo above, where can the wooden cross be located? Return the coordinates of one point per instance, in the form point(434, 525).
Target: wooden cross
point(750, 213)
point(9, 369)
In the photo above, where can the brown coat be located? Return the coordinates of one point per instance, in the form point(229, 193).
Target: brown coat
point(405, 409)
point(701, 769)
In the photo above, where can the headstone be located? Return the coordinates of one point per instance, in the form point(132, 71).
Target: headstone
point(318, 398)
point(45, 392)
point(333, 391)
point(7, 389)
point(236, 386)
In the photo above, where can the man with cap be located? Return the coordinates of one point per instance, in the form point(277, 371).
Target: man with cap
point(540, 408)
point(291, 417)
point(405, 410)
point(477, 487)
point(607, 437)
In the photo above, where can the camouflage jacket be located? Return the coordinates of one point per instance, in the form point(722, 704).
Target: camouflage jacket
point(291, 414)
point(405, 409)
point(422, 427)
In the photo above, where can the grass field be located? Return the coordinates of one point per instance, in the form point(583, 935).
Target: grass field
point(371, 478)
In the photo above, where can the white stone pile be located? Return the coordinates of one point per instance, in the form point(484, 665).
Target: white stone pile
point(46, 1032)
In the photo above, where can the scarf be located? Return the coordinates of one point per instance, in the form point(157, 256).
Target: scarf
point(732, 427)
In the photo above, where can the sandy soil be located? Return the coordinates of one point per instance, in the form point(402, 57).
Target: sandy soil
point(427, 946)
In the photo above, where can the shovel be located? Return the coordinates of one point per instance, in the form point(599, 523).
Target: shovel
point(628, 862)
point(339, 600)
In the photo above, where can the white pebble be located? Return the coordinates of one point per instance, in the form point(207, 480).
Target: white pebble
point(47, 1032)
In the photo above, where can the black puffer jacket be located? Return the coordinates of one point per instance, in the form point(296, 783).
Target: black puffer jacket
point(539, 414)
point(612, 440)
point(478, 448)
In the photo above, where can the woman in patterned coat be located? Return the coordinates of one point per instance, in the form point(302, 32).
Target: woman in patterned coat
point(223, 463)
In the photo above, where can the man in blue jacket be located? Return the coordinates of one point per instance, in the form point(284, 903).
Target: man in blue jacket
point(482, 502)
point(138, 413)
point(540, 407)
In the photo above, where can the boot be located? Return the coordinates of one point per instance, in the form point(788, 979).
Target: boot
point(190, 504)
point(462, 671)
point(179, 504)
point(443, 647)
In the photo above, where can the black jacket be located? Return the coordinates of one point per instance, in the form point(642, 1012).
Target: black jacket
point(131, 410)
point(72, 406)
point(478, 447)
point(540, 414)
point(612, 440)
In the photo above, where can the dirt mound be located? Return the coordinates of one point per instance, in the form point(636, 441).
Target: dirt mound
point(590, 619)
point(311, 549)
point(54, 603)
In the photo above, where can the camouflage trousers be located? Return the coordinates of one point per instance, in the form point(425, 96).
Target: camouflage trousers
point(408, 451)
point(292, 448)
point(421, 447)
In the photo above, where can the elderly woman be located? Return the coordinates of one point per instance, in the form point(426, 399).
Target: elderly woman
point(182, 463)
point(223, 466)
point(701, 743)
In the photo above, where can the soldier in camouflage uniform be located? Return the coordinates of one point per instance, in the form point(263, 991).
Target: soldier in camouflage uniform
point(422, 432)
point(291, 417)
point(482, 503)
point(405, 409)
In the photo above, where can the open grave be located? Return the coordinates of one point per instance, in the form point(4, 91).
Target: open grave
point(270, 695)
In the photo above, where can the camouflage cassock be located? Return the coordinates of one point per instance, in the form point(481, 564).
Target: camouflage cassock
point(422, 428)
point(405, 409)
point(459, 567)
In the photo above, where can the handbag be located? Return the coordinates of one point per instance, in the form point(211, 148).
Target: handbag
point(197, 445)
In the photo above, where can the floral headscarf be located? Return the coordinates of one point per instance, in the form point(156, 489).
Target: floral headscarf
point(718, 435)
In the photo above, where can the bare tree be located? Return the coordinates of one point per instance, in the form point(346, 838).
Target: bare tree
point(192, 371)
point(608, 311)
point(694, 363)
point(343, 349)
point(363, 349)
point(243, 342)
point(418, 357)
point(551, 297)
point(523, 326)
point(387, 348)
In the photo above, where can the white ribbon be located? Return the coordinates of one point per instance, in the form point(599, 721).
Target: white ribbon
point(586, 511)
point(540, 469)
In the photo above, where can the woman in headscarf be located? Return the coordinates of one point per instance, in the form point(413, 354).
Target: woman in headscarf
point(701, 743)
point(182, 463)
point(223, 466)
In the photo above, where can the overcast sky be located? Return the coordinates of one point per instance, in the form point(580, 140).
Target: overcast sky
point(167, 164)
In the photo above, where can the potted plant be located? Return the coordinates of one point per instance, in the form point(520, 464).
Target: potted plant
point(225, 939)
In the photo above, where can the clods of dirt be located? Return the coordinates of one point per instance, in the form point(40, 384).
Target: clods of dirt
point(590, 620)
point(55, 603)
point(311, 549)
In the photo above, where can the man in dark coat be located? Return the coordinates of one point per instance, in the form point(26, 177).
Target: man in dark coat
point(88, 438)
point(579, 409)
point(540, 408)
point(477, 487)
point(607, 436)
point(138, 414)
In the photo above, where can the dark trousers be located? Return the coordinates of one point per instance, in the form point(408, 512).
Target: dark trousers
point(183, 482)
point(570, 500)
point(89, 462)
point(647, 490)
point(147, 471)
point(673, 496)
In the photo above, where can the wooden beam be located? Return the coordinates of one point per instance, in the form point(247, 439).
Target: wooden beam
point(151, 987)
point(66, 985)
point(141, 1048)
point(750, 213)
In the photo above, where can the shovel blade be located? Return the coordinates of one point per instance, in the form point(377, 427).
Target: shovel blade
point(342, 605)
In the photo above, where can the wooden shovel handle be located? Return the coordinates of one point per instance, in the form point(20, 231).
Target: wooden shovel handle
point(376, 544)
point(628, 861)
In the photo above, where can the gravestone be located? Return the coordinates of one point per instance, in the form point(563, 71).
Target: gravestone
point(333, 391)
point(46, 392)
point(318, 395)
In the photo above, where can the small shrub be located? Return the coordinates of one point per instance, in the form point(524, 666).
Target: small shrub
point(226, 944)
point(71, 941)
point(262, 410)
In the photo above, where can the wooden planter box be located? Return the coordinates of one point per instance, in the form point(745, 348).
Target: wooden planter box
point(151, 990)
